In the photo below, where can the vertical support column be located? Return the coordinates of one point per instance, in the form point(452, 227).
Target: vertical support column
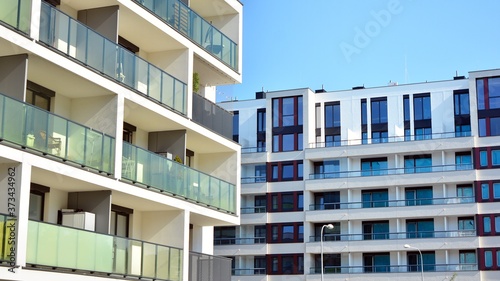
point(24, 184)
point(120, 116)
point(185, 253)
point(189, 91)
point(35, 19)
point(445, 193)
point(445, 223)
point(443, 159)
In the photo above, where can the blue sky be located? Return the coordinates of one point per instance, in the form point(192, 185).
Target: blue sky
point(339, 44)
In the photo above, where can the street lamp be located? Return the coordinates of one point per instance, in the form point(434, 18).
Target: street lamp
point(329, 226)
point(407, 246)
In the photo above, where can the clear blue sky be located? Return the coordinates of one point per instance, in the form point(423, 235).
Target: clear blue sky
point(339, 44)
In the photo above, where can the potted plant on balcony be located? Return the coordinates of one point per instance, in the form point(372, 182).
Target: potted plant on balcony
point(196, 82)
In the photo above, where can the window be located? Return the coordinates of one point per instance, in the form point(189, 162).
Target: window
point(287, 233)
point(364, 114)
point(326, 169)
point(375, 198)
point(465, 192)
point(286, 171)
point(331, 263)
point(488, 100)
point(463, 160)
point(418, 196)
point(260, 203)
point(423, 133)
point(489, 190)
point(328, 234)
point(467, 259)
point(286, 202)
point(332, 140)
point(380, 136)
point(418, 163)
point(406, 108)
point(422, 107)
point(489, 224)
point(374, 166)
point(261, 120)
point(376, 262)
point(37, 201)
point(120, 220)
point(224, 235)
point(489, 157)
point(38, 95)
point(236, 125)
point(420, 228)
point(287, 124)
point(379, 110)
point(332, 115)
point(466, 225)
point(414, 261)
point(327, 200)
point(462, 113)
point(286, 264)
point(260, 173)
point(374, 230)
point(128, 132)
point(259, 264)
point(288, 142)
point(489, 259)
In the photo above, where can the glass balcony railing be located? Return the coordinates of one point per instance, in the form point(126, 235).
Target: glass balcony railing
point(7, 238)
point(253, 210)
point(248, 271)
point(207, 267)
point(29, 126)
point(212, 116)
point(153, 170)
point(395, 235)
point(181, 18)
point(434, 136)
point(16, 13)
point(392, 203)
point(240, 241)
point(328, 269)
point(69, 248)
point(59, 31)
point(392, 171)
point(256, 179)
point(245, 150)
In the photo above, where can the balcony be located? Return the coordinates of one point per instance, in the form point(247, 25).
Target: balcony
point(212, 116)
point(153, 170)
point(392, 203)
point(17, 14)
point(394, 268)
point(245, 150)
point(255, 179)
point(240, 241)
point(64, 34)
point(393, 171)
point(61, 248)
point(253, 210)
point(395, 235)
point(41, 131)
point(248, 271)
point(188, 23)
point(204, 267)
point(393, 139)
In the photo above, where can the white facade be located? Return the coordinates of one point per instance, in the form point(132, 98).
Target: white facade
point(417, 169)
point(97, 109)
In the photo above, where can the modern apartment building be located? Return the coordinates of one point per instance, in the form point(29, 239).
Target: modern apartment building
point(115, 161)
point(402, 181)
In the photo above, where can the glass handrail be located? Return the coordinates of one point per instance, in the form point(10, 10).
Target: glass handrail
point(392, 203)
point(65, 34)
point(392, 171)
point(32, 127)
point(71, 248)
point(394, 235)
point(151, 169)
point(16, 13)
point(329, 269)
point(240, 241)
point(187, 22)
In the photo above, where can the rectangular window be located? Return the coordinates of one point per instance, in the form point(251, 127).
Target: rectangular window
point(332, 140)
point(260, 203)
point(276, 143)
point(327, 200)
point(332, 115)
point(420, 228)
point(331, 263)
point(326, 169)
point(286, 171)
point(487, 225)
point(236, 125)
point(380, 136)
point(261, 120)
point(466, 224)
point(414, 261)
point(374, 166)
point(379, 110)
point(288, 112)
point(466, 193)
point(496, 190)
point(259, 264)
point(375, 198)
point(485, 191)
point(423, 133)
point(418, 196)
point(461, 103)
point(287, 233)
point(288, 143)
point(260, 173)
point(287, 202)
point(406, 108)
point(488, 258)
point(495, 157)
point(276, 113)
point(376, 262)
point(364, 114)
point(225, 235)
point(422, 107)
point(374, 230)
point(328, 234)
point(463, 160)
point(418, 163)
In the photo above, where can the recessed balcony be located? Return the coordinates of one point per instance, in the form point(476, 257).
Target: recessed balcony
point(188, 23)
point(40, 131)
point(394, 268)
point(66, 35)
point(56, 247)
point(152, 170)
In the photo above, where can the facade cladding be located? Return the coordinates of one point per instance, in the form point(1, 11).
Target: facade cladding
point(115, 161)
point(406, 175)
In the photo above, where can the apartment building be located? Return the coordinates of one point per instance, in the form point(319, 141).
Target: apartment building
point(389, 183)
point(115, 161)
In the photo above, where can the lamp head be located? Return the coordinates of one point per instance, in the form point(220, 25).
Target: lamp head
point(329, 226)
point(407, 246)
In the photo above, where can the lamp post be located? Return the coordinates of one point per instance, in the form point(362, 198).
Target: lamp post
point(421, 260)
point(329, 226)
